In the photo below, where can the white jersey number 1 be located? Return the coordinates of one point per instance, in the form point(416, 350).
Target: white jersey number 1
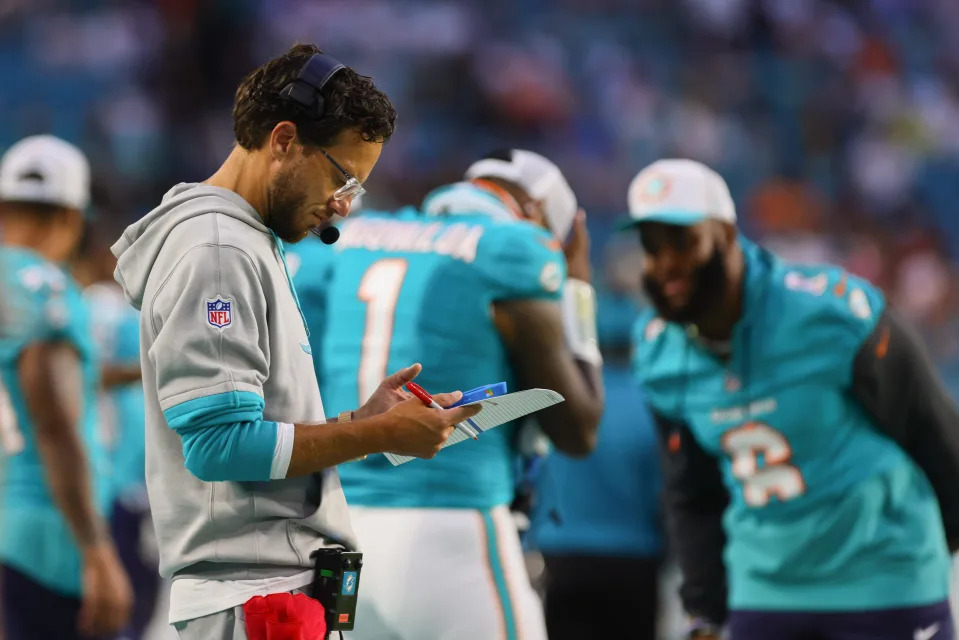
point(380, 290)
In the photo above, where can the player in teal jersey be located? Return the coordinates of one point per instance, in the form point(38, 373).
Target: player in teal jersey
point(122, 414)
point(116, 334)
point(61, 577)
point(470, 288)
point(811, 455)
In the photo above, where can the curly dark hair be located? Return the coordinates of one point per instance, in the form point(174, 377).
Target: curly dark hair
point(352, 101)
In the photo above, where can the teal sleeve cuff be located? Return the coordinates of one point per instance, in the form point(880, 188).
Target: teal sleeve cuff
point(225, 437)
point(238, 452)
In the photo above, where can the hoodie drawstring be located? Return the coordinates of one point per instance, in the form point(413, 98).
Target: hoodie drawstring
point(289, 281)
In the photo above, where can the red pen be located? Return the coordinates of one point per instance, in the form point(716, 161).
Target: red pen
point(428, 400)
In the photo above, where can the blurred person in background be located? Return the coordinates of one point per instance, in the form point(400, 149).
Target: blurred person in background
point(811, 454)
point(60, 571)
point(474, 287)
point(597, 520)
point(116, 331)
point(240, 456)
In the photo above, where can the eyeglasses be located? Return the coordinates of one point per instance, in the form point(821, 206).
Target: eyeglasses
point(353, 188)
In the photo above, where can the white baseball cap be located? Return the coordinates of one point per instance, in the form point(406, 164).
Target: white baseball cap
point(680, 192)
point(45, 169)
point(539, 177)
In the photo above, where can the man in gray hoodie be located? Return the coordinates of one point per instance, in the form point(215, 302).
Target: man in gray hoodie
point(241, 461)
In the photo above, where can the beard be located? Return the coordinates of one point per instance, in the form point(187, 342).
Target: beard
point(286, 205)
point(709, 285)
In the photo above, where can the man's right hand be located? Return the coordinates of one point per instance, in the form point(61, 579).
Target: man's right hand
point(107, 595)
point(417, 430)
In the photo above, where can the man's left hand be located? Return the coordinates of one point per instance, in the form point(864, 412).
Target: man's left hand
point(391, 392)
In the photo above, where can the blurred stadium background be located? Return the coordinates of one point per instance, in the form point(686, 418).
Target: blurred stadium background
point(836, 123)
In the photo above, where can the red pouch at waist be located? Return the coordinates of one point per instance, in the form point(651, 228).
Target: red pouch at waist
point(285, 616)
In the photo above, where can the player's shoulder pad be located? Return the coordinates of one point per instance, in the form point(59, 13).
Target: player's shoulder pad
point(520, 259)
point(39, 295)
point(827, 300)
point(654, 343)
point(657, 361)
point(408, 212)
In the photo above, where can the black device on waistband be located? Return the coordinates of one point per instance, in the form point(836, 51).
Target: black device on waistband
point(336, 581)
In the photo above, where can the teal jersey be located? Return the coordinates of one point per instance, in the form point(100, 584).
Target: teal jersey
point(43, 304)
point(400, 289)
point(826, 512)
point(122, 412)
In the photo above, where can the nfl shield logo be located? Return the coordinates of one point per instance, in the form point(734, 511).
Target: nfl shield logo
point(219, 312)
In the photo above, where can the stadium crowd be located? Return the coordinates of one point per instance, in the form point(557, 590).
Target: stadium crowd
point(835, 123)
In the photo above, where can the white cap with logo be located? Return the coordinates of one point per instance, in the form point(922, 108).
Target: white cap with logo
point(45, 169)
point(679, 192)
point(540, 178)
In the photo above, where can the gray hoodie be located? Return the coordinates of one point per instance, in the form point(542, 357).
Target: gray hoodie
point(219, 320)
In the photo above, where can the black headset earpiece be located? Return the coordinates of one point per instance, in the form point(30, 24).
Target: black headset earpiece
point(305, 90)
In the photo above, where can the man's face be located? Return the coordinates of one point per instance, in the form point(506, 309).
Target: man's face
point(684, 268)
point(303, 183)
point(65, 232)
point(58, 230)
